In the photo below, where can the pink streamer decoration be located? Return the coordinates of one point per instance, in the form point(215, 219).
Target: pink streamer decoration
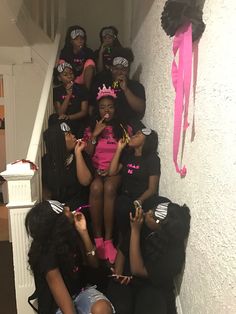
point(181, 79)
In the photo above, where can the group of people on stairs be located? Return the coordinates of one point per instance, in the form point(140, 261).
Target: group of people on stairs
point(103, 240)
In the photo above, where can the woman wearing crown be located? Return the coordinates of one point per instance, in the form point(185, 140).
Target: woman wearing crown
point(130, 93)
point(105, 130)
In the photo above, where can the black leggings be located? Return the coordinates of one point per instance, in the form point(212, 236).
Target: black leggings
point(145, 299)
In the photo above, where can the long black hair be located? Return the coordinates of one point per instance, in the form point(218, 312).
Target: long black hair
point(52, 234)
point(116, 42)
point(57, 154)
point(115, 122)
point(123, 52)
point(68, 44)
point(56, 73)
point(173, 231)
point(151, 144)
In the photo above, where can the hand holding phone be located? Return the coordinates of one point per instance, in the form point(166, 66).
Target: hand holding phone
point(123, 280)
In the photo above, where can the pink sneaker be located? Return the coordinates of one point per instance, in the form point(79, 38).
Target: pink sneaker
point(100, 249)
point(110, 251)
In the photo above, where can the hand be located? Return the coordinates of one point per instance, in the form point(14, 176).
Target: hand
point(136, 221)
point(102, 49)
point(123, 280)
point(100, 126)
point(80, 146)
point(69, 87)
point(121, 144)
point(102, 173)
point(80, 222)
point(63, 117)
point(123, 82)
point(138, 204)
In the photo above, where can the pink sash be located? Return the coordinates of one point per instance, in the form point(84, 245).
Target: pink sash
point(181, 79)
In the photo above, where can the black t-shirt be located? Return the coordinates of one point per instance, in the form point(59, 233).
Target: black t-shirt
point(76, 275)
point(162, 264)
point(79, 94)
point(72, 276)
point(77, 60)
point(72, 192)
point(136, 172)
point(126, 112)
point(107, 57)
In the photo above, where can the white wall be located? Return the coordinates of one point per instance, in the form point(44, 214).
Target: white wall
point(209, 188)
point(93, 15)
point(28, 80)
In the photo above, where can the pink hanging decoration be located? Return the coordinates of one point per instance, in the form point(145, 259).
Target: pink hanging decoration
point(181, 79)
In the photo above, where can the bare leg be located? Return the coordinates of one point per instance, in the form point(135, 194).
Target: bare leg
point(88, 75)
point(101, 307)
point(110, 188)
point(96, 206)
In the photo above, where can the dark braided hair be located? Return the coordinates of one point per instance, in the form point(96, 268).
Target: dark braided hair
point(56, 75)
point(57, 154)
point(173, 230)
point(68, 44)
point(151, 144)
point(116, 42)
point(51, 234)
point(123, 52)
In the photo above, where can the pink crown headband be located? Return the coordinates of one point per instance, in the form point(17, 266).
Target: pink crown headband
point(104, 92)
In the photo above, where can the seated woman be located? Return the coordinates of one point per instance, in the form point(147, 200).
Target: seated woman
point(140, 170)
point(109, 40)
point(70, 99)
point(79, 55)
point(149, 259)
point(102, 137)
point(130, 93)
point(64, 263)
point(67, 170)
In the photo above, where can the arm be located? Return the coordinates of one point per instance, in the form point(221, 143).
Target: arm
point(59, 291)
point(82, 113)
point(91, 144)
point(88, 76)
point(136, 261)
point(136, 103)
point(115, 166)
point(61, 108)
point(100, 65)
point(81, 227)
point(119, 263)
point(83, 173)
point(152, 188)
point(118, 271)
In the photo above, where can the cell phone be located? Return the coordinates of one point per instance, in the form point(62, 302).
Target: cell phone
point(117, 276)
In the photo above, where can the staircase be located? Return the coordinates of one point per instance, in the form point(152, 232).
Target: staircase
point(27, 58)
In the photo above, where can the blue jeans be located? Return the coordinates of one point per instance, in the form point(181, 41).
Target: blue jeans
point(85, 299)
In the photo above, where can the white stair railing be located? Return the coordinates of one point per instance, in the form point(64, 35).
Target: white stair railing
point(24, 182)
point(45, 14)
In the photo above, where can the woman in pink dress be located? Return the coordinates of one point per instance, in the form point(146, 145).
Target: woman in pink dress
point(102, 136)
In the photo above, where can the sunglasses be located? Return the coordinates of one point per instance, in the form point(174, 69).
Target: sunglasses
point(146, 131)
point(77, 32)
point(65, 127)
point(61, 67)
point(160, 212)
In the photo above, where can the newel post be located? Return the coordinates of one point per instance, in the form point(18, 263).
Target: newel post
point(22, 182)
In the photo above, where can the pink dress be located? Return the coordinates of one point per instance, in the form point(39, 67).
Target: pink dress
point(105, 148)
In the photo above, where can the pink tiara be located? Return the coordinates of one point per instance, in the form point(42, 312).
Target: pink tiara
point(104, 92)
